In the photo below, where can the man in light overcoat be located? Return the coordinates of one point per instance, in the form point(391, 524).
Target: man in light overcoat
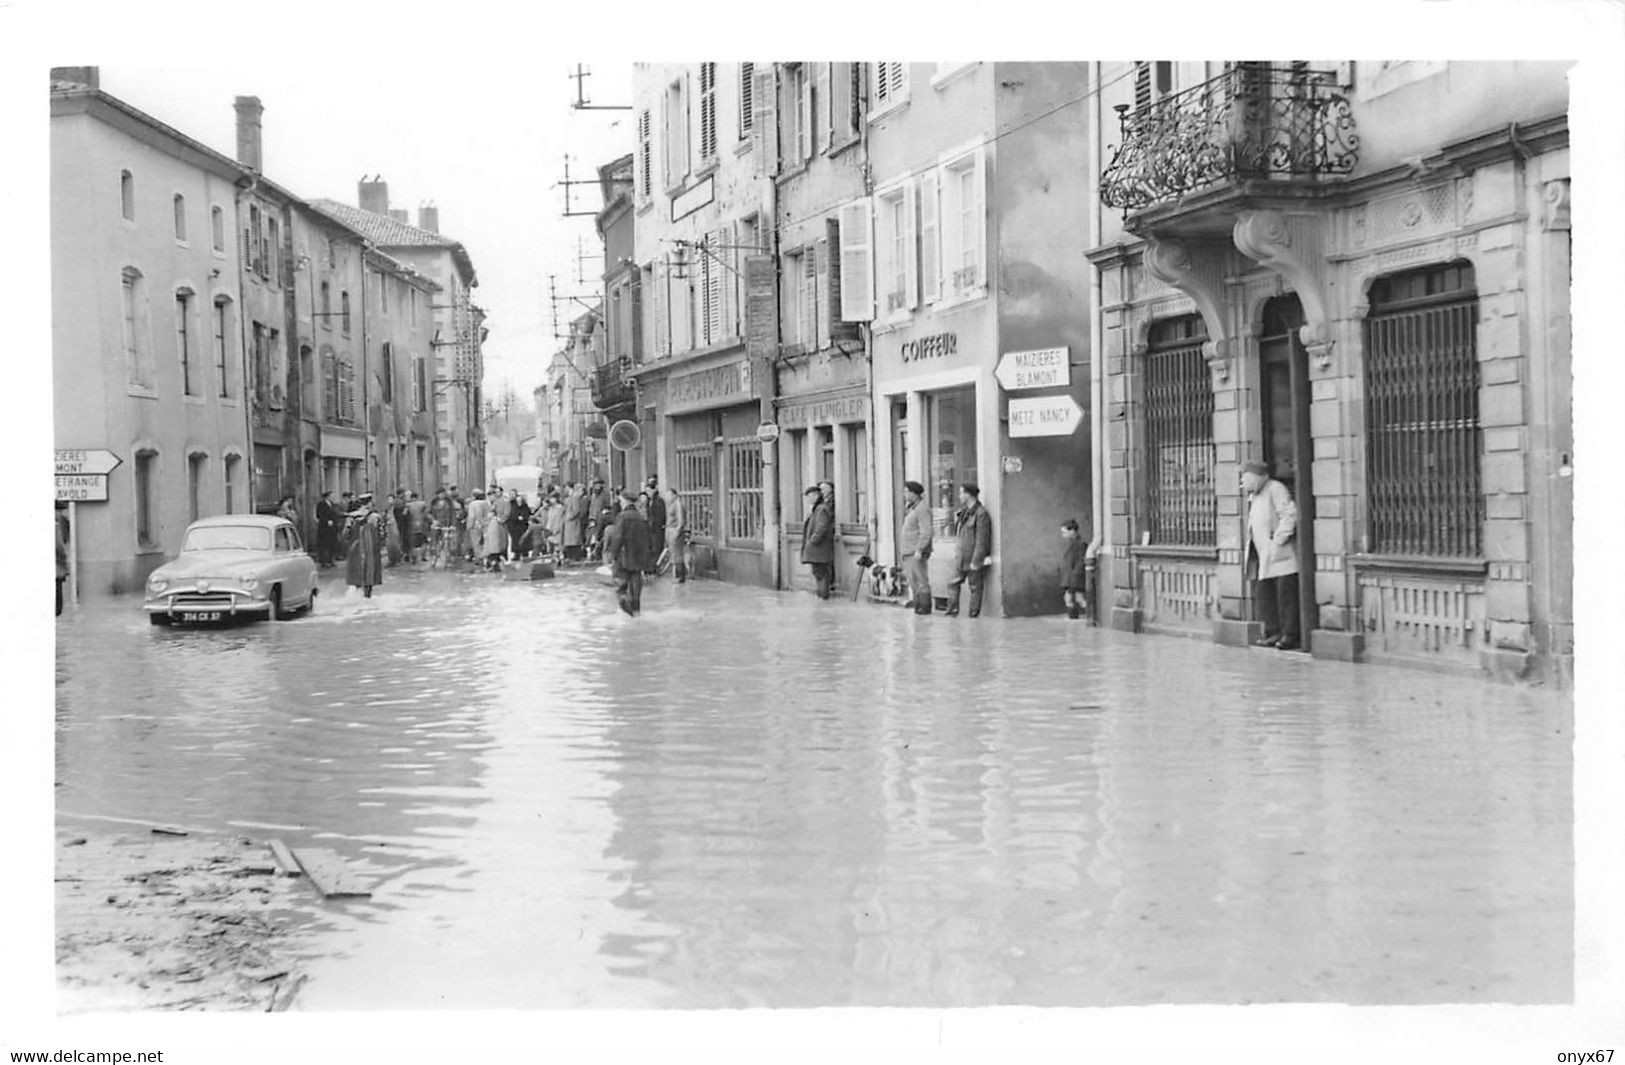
point(1272, 555)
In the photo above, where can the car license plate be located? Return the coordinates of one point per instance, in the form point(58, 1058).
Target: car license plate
point(201, 615)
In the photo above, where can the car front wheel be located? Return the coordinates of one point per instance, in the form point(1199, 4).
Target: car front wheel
point(274, 611)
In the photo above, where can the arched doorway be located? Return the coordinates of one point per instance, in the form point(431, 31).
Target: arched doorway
point(1284, 435)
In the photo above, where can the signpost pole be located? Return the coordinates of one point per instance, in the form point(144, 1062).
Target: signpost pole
point(73, 552)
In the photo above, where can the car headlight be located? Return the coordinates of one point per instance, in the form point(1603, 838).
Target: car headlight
point(156, 583)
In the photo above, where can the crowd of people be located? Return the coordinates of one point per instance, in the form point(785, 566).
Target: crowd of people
point(571, 523)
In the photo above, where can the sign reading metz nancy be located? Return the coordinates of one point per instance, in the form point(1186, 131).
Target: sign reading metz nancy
point(1045, 368)
point(1045, 416)
point(81, 473)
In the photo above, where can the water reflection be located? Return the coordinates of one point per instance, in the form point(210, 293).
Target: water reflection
point(744, 799)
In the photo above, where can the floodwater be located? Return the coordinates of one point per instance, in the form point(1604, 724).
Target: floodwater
point(748, 798)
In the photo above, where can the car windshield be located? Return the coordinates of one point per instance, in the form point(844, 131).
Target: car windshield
point(228, 538)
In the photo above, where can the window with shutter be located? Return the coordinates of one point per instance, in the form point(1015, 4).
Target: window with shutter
point(807, 325)
point(891, 85)
point(930, 257)
point(829, 294)
point(804, 119)
point(764, 125)
point(962, 224)
point(645, 155)
point(791, 150)
point(747, 104)
point(820, 287)
point(708, 111)
point(857, 279)
point(674, 133)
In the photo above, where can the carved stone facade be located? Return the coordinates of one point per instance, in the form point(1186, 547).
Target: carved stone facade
point(1504, 214)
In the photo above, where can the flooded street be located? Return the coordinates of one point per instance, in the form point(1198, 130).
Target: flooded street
point(747, 798)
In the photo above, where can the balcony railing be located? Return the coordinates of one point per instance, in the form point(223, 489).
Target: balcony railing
point(610, 387)
point(1251, 122)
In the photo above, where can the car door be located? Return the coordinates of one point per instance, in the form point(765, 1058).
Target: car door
point(302, 566)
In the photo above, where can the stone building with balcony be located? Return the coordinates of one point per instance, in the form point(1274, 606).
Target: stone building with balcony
point(1357, 273)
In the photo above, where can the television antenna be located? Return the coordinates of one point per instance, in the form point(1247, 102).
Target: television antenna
point(580, 76)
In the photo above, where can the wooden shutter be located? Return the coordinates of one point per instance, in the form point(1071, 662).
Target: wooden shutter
point(804, 114)
point(645, 155)
point(635, 295)
point(708, 110)
point(911, 254)
point(662, 301)
point(713, 287)
point(821, 292)
point(840, 102)
point(979, 214)
point(839, 327)
point(930, 239)
point(747, 106)
point(764, 125)
point(823, 119)
point(857, 263)
point(1142, 84)
point(728, 278)
point(807, 326)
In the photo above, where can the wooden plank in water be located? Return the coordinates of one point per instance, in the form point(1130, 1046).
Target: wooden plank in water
point(284, 858)
point(329, 873)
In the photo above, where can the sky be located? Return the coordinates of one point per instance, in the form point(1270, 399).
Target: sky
point(487, 149)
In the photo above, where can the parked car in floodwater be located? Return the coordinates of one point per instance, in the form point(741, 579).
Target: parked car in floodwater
point(233, 566)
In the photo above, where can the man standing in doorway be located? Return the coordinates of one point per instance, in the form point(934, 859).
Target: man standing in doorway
point(327, 529)
point(914, 545)
point(657, 517)
point(975, 536)
point(1272, 557)
point(818, 541)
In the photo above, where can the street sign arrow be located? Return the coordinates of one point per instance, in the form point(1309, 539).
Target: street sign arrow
point(1045, 416)
point(78, 460)
point(1045, 368)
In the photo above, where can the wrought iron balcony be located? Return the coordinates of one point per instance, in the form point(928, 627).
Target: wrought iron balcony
point(610, 386)
point(1251, 122)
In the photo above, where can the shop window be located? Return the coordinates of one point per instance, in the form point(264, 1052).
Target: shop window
point(793, 469)
point(1424, 493)
point(951, 458)
point(1181, 502)
point(855, 498)
point(694, 487)
point(146, 500)
point(744, 456)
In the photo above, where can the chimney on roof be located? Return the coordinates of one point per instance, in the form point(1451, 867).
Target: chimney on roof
point(429, 217)
point(373, 195)
point(401, 214)
point(248, 132)
point(90, 77)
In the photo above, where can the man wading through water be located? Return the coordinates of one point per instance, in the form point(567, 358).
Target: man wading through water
point(626, 547)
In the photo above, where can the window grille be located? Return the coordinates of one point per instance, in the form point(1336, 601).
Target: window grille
point(694, 487)
point(183, 338)
point(744, 488)
point(1181, 504)
point(1423, 469)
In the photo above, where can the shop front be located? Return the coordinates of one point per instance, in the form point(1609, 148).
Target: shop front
point(937, 404)
point(714, 457)
point(825, 435)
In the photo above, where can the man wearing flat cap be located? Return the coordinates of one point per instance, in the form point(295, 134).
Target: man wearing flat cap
point(1272, 556)
point(974, 533)
point(914, 545)
point(626, 548)
point(818, 541)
